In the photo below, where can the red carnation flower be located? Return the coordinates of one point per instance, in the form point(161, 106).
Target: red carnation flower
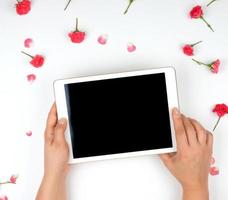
point(220, 110)
point(37, 60)
point(188, 49)
point(3, 197)
point(77, 36)
point(197, 13)
point(23, 7)
point(13, 179)
point(214, 66)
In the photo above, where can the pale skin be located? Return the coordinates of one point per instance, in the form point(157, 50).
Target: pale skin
point(190, 164)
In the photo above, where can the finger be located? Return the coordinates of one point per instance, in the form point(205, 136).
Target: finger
point(50, 124)
point(60, 131)
point(209, 140)
point(190, 131)
point(200, 131)
point(181, 137)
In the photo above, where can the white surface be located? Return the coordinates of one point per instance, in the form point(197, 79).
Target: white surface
point(158, 29)
point(60, 98)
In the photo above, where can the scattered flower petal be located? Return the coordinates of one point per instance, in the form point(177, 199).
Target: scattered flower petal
point(23, 7)
point(28, 42)
point(29, 133)
point(102, 39)
point(212, 161)
point(131, 47)
point(31, 78)
point(3, 197)
point(214, 171)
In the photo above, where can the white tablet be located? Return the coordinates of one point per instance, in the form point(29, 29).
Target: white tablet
point(118, 115)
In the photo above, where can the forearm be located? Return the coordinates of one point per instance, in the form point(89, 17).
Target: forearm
point(52, 188)
point(196, 194)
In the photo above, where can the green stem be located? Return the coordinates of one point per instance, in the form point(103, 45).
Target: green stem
point(76, 28)
point(207, 24)
point(27, 54)
point(196, 43)
point(129, 4)
point(67, 4)
point(200, 63)
point(210, 3)
point(6, 182)
point(216, 123)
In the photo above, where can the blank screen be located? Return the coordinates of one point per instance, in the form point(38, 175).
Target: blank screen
point(118, 115)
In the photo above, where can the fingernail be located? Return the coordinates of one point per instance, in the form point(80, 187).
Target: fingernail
point(62, 121)
point(176, 112)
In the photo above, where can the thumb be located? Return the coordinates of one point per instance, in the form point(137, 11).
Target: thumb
point(60, 130)
point(166, 158)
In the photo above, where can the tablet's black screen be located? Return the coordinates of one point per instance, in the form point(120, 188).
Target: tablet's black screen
point(118, 115)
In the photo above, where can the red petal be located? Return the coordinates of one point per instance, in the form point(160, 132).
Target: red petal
point(214, 171)
point(102, 39)
point(3, 197)
point(212, 161)
point(131, 47)
point(28, 42)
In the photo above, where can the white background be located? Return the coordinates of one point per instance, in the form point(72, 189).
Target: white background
point(158, 29)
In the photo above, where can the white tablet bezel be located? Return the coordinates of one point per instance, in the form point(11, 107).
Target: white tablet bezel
point(172, 94)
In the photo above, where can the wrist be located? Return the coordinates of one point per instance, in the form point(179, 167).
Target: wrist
point(52, 187)
point(53, 178)
point(195, 187)
point(196, 192)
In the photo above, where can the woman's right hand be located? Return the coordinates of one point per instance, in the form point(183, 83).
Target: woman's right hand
point(190, 164)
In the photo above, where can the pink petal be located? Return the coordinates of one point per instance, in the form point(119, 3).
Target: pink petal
point(28, 42)
point(31, 78)
point(102, 39)
point(212, 161)
point(214, 171)
point(29, 133)
point(131, 47)
point(3, 197)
